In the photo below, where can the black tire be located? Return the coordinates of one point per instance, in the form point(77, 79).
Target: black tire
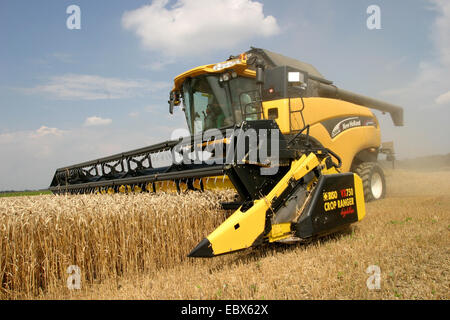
point(374, 182)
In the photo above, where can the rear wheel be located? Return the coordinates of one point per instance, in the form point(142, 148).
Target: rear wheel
point(374, 183)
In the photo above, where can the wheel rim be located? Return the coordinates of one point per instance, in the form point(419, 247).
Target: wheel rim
point(376, 185)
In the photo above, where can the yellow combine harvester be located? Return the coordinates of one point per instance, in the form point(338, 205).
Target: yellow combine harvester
point(300, 153)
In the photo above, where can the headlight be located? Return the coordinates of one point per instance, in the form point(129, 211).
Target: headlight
point(226, 77)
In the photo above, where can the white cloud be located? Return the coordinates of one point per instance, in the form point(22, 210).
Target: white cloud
point(6, 138)
point(97, 121)
point(93, 87)
point(42, 132)
point(443, 98)
point(28, 151)
point(46, 131)
point(33, 156)
point(195, 26)
point(133, 114)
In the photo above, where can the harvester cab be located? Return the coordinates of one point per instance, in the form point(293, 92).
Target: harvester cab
point(299, 152)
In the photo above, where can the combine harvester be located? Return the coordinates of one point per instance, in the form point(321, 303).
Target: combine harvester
point(300, 153)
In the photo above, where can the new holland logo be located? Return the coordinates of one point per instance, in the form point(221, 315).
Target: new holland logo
point(345, 124)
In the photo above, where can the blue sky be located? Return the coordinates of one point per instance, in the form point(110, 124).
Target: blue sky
point(74, 95)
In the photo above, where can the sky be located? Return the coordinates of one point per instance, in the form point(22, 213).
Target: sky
point(71, 95)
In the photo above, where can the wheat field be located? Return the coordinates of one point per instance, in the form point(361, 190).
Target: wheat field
point(135, 247)
point(104, 235)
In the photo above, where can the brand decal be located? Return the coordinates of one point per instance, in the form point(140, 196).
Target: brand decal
point(338, 125)
point(343, 200)
point(345, 124)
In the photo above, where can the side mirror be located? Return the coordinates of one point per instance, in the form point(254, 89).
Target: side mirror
point(173, 100)
point(259, 71)
point(171, 105)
